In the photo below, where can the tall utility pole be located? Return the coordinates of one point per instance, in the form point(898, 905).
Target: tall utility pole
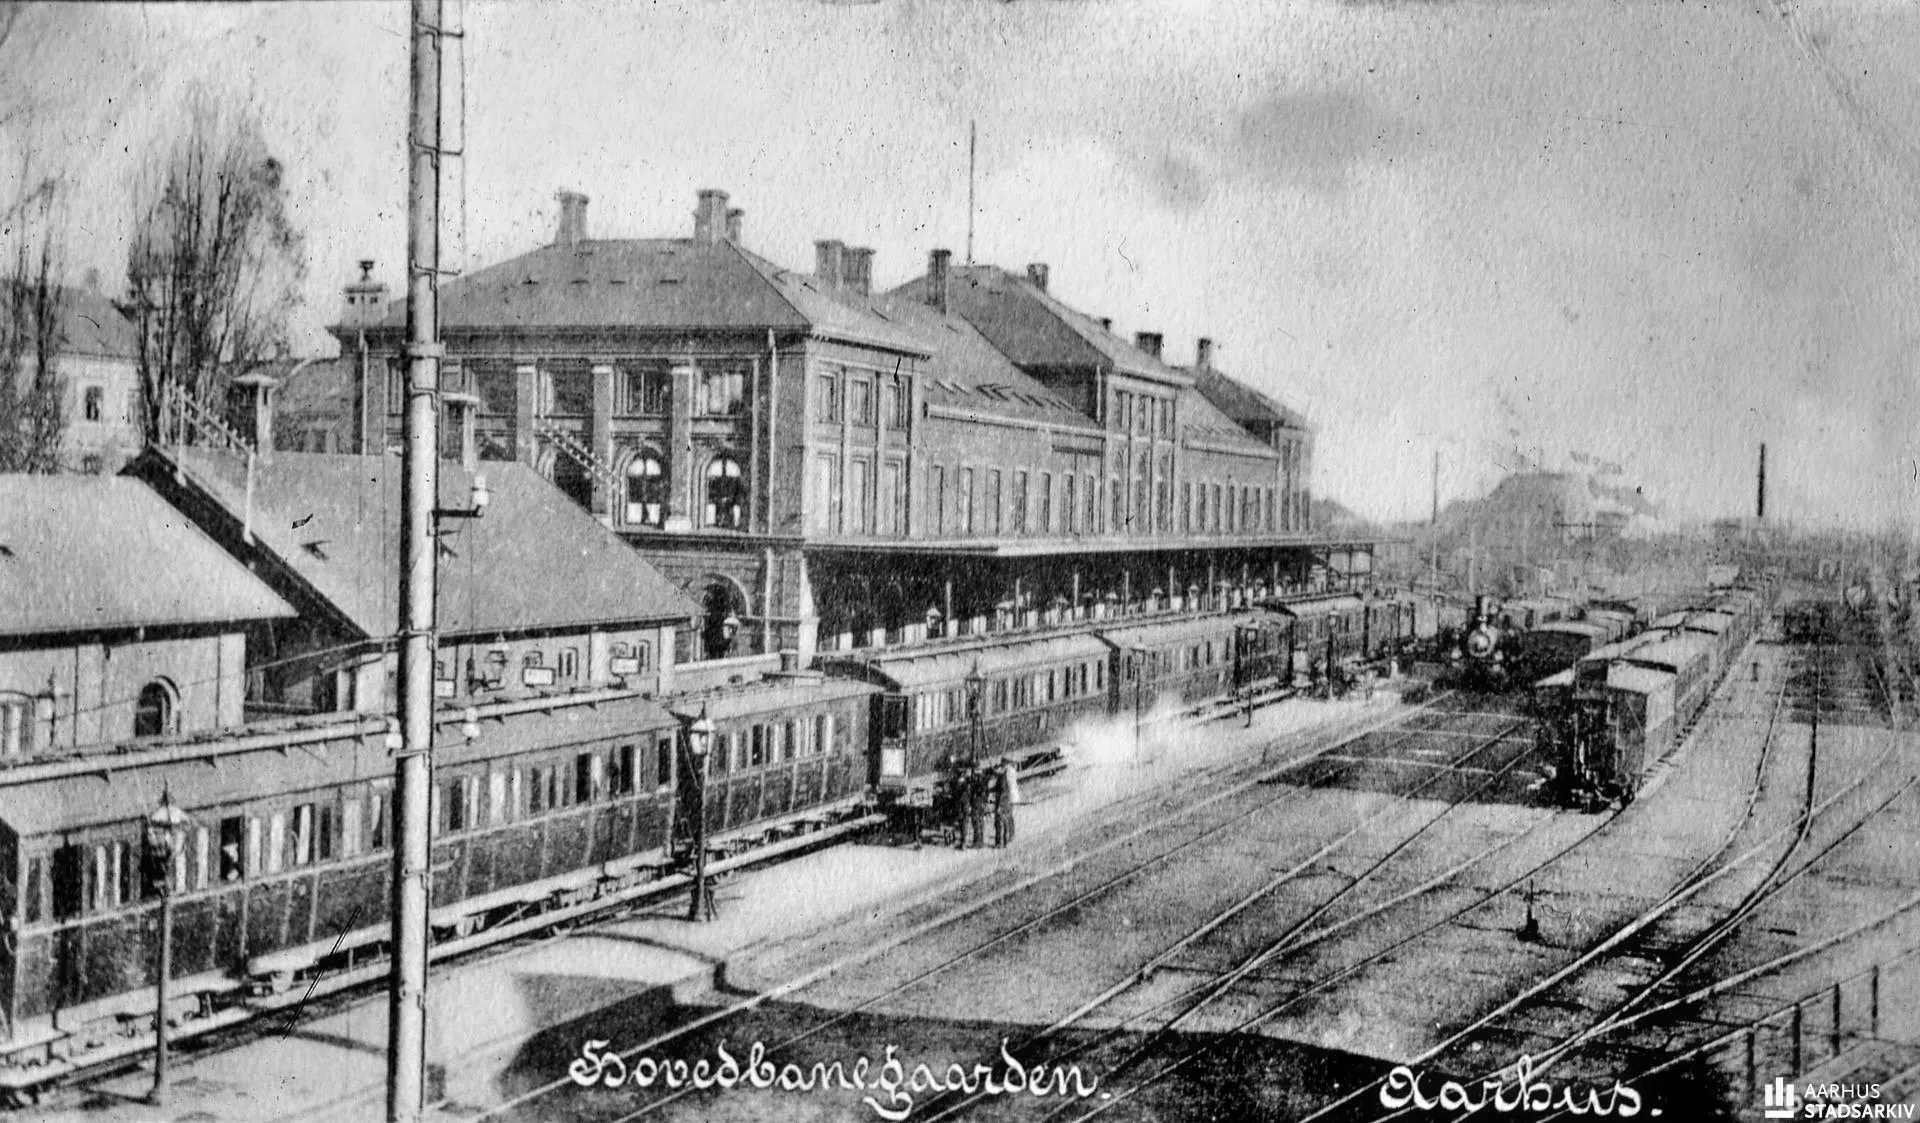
point(413, 778)
point(972, 138)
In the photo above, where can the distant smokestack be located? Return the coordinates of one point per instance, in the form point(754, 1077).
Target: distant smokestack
point(1149, 341)
point(1037, 275)
point(710, 216)
point(1203, 354)
point(937, 265)
point(573, 218)
point(733, 224)
point(1760, 508)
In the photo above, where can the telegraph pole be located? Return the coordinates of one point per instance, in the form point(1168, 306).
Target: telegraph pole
point(413, 775)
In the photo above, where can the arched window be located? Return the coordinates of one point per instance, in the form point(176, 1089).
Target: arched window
point(726, 493)
point(154, 713)
point(646, 491)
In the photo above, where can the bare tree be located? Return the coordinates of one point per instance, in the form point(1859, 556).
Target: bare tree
point(32, 421)
point(216, 262)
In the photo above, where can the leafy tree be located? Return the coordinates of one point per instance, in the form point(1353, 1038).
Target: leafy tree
point(216, 262)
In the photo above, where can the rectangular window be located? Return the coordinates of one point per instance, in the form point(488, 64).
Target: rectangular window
point(202, 854)
point(822, 733)
point(350, 828)
point(860, 502)
point(662, 762)
point(900, 402)
point(1045, 525)
point(1070, 502)
point(937, 492)
point(92, 404)
point(1090, 498)
point(453, 807)
point(1186, 508)
point(646, 388)
point(723, 392)
point(860, 400)
point(826, 487)
point(567, 664)
point(1020, 501)
point(893, 499)
point(585, 765)
point(790, 740)
point(276, 842)
point(993, 500)
point(325, 822)
point(32, 892)
point(758, 756)
point(964, 501)
point(538, 800)
point(826, 397)
point(569, 390)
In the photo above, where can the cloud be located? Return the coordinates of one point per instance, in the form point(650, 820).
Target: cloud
point(1315, 138)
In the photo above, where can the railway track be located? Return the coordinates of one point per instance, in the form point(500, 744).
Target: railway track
point(1164, 959)
point(1305, 746)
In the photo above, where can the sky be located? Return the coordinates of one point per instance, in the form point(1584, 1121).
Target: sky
point(1654, 235)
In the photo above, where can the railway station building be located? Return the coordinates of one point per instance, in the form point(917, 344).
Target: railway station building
point(820, 466)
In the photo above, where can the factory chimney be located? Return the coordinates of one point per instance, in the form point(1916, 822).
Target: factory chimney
point(1760, 508)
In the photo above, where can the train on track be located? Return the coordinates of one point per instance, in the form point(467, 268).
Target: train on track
point(1609, 716)
point(548, 809)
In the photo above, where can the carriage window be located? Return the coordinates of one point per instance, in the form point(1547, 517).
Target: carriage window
point(276, 842)
point(537, 801)
point(14, 714)
point(586, 775)
point(350, 828)
point(233, 862)
point(662, 762)
point(379, 819)
point(790, 745)
point(621, 782)
point(324, 847)
point(496, 797)
point(34, 866)
point(822, 733)
point(758, 756)
point(303, 835)
point(68, 882)
point(126, 874)
point(453, 812)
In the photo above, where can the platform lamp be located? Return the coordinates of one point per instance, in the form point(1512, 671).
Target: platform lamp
point(164, 829)
point(699, 743)
point(976, 685)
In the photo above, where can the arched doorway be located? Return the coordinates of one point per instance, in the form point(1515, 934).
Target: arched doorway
point(723, 620)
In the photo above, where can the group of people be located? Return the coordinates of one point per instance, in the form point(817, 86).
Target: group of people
point(977, 793)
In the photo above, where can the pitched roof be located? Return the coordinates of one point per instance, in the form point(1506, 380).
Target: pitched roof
point(660, 284)
point(967, 372)
point(535, 560)
point(91, 325)
point(1201, 419)
point(1034, 329)
point(94, 552)
point(1242, 403)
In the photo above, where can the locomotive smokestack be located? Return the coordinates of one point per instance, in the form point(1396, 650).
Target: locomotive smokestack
point(1760, 507)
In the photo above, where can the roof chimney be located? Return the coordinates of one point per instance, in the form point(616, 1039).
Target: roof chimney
point(829, 262)
point(937, 282)
point(710, 217)
point(859, 270)
point(733, 224)
point(1106, 324)
point(1149, 341)
point(573, 218)
point(1037, 275)
point(1203, 354)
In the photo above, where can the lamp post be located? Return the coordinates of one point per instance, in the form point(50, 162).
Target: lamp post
point(976, 686)
point(164, 828)
point(699, 741)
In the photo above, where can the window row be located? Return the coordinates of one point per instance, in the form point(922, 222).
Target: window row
point(939, 708)
point(1143, 414)
point(857, 397)
point(779, 742)
point(564, 388)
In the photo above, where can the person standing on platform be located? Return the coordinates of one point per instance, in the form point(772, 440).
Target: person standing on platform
point(979, 797)
point(1003, 806)
point(957, 804)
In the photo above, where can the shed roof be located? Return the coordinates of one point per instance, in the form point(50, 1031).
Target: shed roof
point(949, 667)
point(79, 553)
point(535, 560)
point(1638, 680)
